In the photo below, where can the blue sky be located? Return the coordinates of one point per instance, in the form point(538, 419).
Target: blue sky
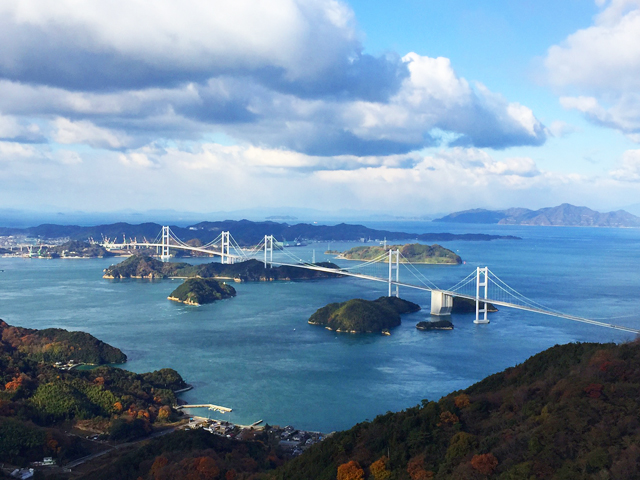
point(411, 106)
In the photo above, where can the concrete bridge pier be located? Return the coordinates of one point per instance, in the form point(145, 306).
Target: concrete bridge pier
point(441, 303)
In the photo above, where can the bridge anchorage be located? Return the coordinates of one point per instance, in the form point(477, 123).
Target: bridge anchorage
point(481, 286)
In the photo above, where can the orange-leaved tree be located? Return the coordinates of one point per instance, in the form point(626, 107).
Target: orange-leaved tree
point(350, 471)
point(462, 400)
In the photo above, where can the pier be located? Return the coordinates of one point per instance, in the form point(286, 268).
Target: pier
point(210, 406)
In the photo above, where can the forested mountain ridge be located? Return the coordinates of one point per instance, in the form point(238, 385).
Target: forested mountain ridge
point(244, 231)
point(569, 412)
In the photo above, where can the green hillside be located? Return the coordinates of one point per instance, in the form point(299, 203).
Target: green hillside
point(363, 316)
point(411, 252)
point(198, 291)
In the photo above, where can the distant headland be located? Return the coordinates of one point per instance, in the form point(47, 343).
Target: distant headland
point(564, 215)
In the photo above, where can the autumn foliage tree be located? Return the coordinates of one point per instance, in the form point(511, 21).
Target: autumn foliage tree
point(462, 400)
point(416, 469)
point(485, 463)
point(350, 471)
point(379, 469)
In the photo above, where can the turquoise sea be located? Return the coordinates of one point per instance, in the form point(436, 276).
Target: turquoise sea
point(256, 353)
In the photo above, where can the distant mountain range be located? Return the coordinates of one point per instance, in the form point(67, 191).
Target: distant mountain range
point(565, 215)
point(245, 232)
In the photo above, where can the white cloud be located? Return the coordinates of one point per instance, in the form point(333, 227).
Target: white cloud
point(85, 132)
point(604, 57)
point(629, 169)
point(287, 75)
point(67, 157)
point(559, 128)
point(171, 35)
point(11, 151)
point(11, 128)
point(598, 68)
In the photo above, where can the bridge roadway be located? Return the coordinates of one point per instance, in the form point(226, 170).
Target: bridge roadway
point(470, 297)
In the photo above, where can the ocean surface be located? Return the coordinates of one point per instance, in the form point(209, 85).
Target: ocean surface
point(256, 353)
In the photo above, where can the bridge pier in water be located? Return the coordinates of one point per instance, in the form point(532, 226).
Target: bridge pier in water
point(441, 303)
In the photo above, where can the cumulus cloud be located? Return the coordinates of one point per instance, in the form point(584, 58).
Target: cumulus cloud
point(85, 132)
point(290, 44)
point(12, 128)
point(600, 67)
point(629, 168)
point(287, 75)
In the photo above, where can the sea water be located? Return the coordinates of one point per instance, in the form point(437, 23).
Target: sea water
point(257, 354)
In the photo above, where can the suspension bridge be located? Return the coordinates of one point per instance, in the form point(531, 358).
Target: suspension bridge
point(481, 286)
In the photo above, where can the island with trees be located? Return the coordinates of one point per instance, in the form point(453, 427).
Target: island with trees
point(435, 325)
point(466, 305)
point(363, 316)
point(411, 252)
point(75, 249)
point(58, 345)
point(142, 266)
point(198, 291)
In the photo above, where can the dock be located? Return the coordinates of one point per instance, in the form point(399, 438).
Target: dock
point(210, 406)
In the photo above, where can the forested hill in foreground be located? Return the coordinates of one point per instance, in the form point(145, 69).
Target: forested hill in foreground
point(244, 231)
point(570, 412)
point(563, 215)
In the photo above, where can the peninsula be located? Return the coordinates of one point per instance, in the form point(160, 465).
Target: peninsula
point(412, 252)
point(42, 399)
point(197, 291)
point(58, 345)
point(75, 249)
point(363, 316)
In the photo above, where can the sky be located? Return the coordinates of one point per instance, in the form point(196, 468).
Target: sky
point(410, 107)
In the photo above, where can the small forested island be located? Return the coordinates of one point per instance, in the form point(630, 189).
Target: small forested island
point(40, 401)
point(198, 291)
point(141, 266)
point(363, 316)
point(435, 325)
point(466, 305)
point(411, 252)
point(57, 345)
point(75, 249)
